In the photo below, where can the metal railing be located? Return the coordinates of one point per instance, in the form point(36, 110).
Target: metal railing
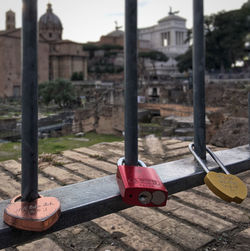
point(84, 201)
point(199, 80)
point(29, 102)
point(101, 196)
point(131, 123)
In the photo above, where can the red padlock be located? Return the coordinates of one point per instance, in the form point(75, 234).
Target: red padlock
point(140, 185)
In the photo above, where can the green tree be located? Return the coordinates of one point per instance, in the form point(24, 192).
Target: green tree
point(108, 47)
point(46, 92)
point(91, 48)
point(61, 92)
point(184, 61)
point(77, 76)
point(153, 56)
point(225, 34)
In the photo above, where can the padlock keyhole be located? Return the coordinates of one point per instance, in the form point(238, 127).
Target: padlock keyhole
point(145, 197)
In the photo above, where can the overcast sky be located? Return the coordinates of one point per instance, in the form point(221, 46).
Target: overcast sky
point(87, 20)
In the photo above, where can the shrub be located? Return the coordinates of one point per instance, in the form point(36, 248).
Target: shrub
point(60, 91)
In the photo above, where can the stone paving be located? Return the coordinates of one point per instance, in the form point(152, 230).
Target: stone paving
point(192, 220)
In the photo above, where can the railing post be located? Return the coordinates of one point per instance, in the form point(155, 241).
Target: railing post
point(199, 79)
point(131, 123)
point(29, 101)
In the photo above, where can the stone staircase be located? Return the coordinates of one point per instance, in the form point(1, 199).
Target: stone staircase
point(182, 126)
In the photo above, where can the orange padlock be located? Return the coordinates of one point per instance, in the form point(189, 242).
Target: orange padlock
point(38, 215)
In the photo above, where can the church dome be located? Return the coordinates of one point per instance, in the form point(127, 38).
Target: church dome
point(50, 26)
point(50, 20)
point(116, 33)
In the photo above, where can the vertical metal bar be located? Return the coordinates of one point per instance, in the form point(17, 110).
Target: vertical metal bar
point(131, 123)
point(249, 119)
point(199, 79)
point(29, 101)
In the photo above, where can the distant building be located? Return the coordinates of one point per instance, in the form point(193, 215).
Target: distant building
point(57, 58)
point(106, 58)
point(115, 37)
point(169, 37)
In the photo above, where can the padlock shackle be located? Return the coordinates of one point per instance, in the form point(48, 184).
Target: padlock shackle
point(121, 162)
point(202, 163)
point(217, 160)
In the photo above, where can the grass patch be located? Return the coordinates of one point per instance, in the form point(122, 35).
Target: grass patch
point(12, 150)
point(150, 128)
point(9, 150)
point(150, 125)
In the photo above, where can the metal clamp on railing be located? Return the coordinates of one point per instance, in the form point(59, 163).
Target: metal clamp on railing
point(225, 185)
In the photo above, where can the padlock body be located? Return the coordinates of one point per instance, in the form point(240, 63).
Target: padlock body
point(227, 186)
point(141, 186)
point(38, 215)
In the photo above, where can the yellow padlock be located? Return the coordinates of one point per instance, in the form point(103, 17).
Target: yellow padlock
point(225, 185)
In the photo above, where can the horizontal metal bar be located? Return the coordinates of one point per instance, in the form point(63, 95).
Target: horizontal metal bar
point(91, 199)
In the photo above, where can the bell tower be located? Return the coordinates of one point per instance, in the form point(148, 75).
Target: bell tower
point(10, 23)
